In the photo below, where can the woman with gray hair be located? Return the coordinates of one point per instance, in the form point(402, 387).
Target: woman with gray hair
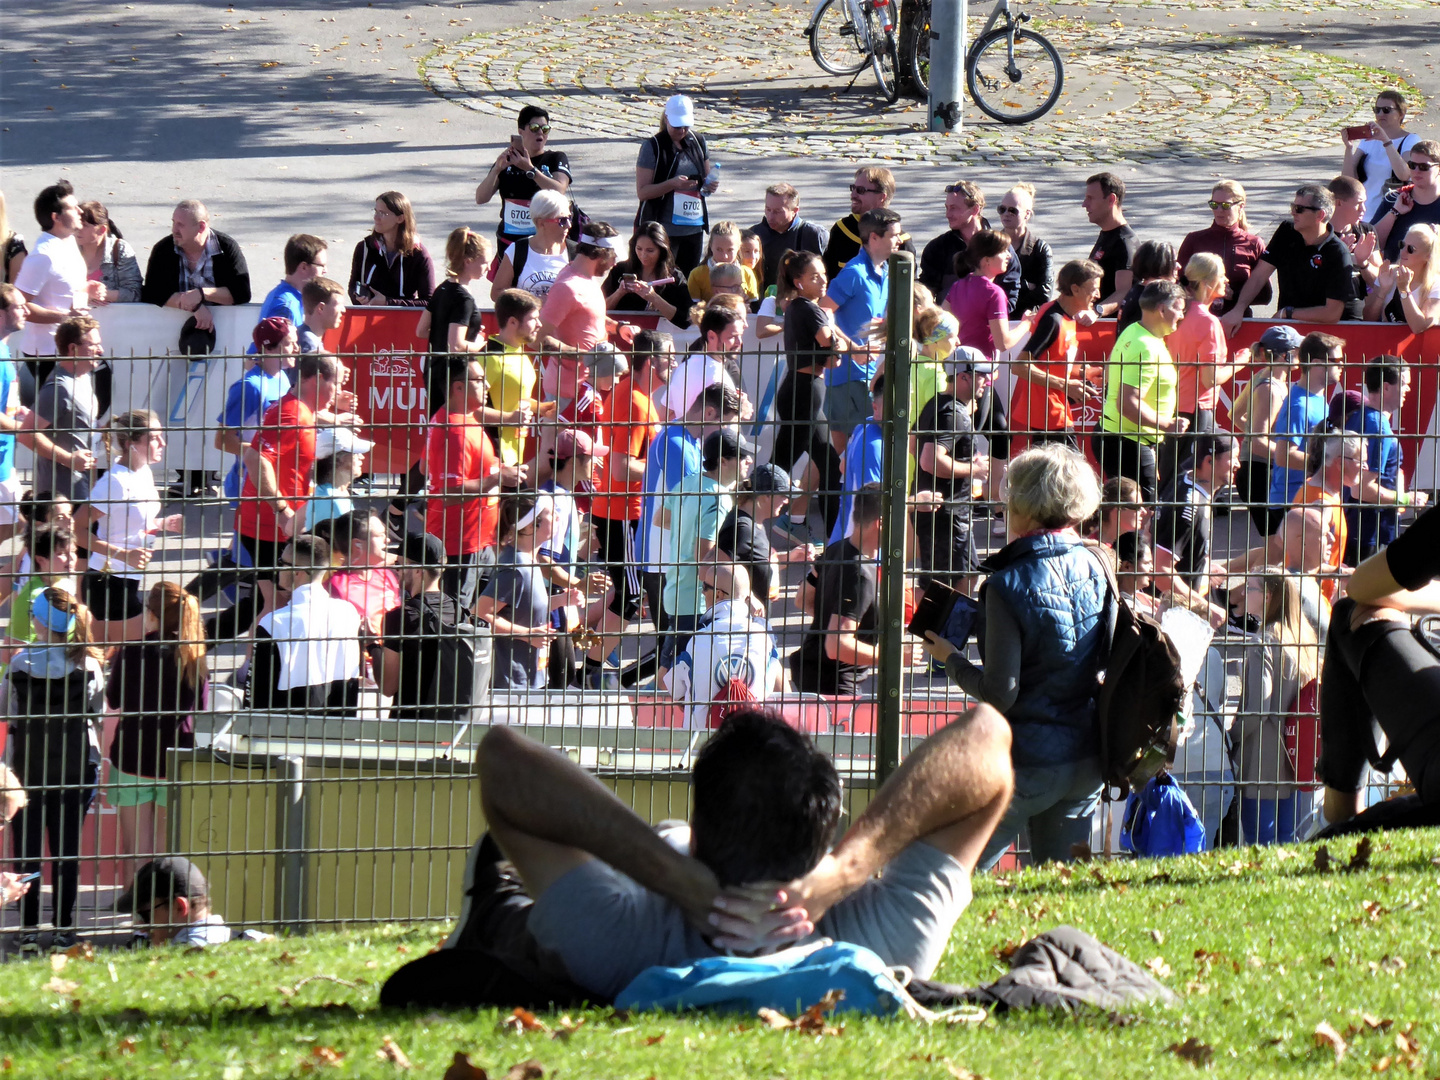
point(1045, 616)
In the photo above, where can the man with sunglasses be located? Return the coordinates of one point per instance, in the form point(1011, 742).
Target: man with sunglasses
point(872, 189)
point(1417, 203)
point(941, 264)
point(523, 168)
point(1312, 264)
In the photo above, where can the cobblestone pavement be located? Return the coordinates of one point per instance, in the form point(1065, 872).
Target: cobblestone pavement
point(1148, 92)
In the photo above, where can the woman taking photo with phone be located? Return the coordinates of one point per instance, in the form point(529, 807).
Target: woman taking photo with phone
point(648, 280)
point(524, 168)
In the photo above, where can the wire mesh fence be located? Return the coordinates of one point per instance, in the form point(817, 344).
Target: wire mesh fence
point(230, 637)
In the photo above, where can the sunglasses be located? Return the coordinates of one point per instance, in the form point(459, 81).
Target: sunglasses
point(856, 189)
point(957, 189)
point(1421, 166)
point(1229, 204)
point(1411, 249)
point(1300, 208)
point(558, 220)
point(1383, 109)
point(540, 129)
point(1006, 209)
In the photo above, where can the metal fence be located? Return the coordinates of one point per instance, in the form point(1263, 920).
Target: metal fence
point(325, 773)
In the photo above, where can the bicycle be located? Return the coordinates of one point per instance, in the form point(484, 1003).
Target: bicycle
point(845, 35)
point(1013, 74)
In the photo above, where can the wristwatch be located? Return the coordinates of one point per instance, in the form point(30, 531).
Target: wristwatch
point(529, 174)
point(1288, 313)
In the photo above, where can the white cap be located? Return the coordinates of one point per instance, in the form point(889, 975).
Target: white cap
point(334, 439)
point(680, 111)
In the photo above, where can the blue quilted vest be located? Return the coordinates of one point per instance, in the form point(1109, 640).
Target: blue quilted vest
point(1056, 592)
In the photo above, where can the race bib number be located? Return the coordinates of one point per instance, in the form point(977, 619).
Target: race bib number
point(689, 210)
point(517, 218)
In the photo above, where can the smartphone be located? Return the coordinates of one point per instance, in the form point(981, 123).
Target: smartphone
point(1404, 189)
point(26, 879)
point(1355, 132)
point(517, 142)
point(628, 279)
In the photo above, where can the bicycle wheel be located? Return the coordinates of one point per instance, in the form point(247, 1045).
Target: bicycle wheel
point(834, 41)
point(885, 59)
point(918, 52)
point(1018, 92)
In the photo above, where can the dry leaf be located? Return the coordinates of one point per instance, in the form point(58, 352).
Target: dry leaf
point(565, 1028)
point(522, 1020)
point(1285, 854)
point(1194, 1051)
point(526, 1070)
point(1325, 1035)
point(1066, 874)
point(58, 962)
point(461, 1069)
point(959, 1072)
point(1323, 863)
point(321, 1057)
point(285, 958)
point(1158, 965)
point(1009, 949)
point(390, 1051)
point(775, 1018)
point(653, 1039)
point(1361, 859)
point(61, 986)
point(1158, 937)
point(126, 1046)
point(1405, 1042)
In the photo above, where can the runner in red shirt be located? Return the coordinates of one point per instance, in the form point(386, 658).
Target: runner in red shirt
point(278, 465)
point(465, 474)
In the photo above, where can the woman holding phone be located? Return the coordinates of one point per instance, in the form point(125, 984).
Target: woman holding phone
point(648, 280)
point(1375, 152)
point(524, 168)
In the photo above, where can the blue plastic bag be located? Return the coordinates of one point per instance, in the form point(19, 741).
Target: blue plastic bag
point(1161, 820)
point(789, 981)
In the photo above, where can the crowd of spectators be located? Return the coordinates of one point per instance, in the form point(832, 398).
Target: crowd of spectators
point(583, 483)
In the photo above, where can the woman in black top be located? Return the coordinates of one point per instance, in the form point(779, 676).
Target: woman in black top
point(648, 280)
point(452, 318)
point(1154, 261)
point(523, 168)
point(812, 343)
point(391, 266)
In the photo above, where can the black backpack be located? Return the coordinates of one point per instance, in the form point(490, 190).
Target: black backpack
point(455, 676)
point(1140, 697)
point(520, 252)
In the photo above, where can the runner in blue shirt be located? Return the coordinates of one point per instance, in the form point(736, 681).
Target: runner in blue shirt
point(864, 459)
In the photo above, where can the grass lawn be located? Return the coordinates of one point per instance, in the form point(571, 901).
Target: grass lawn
point(1262, 947)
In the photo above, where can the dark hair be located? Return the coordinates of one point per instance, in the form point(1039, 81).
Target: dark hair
point(1130, 547)
point(656, 234)
point(767, 802)
point(1315, 348)
point(529, 113)
point(313, 554)
point(513, 507)
point(1153, 259)
point(878, 386)
point(721, 397)
point(1211, 444)
point(93, 212)
point(1077, 272)
point(1345, 187)
point(876, 221)
point(48, 202)
point(1159, 293)
point(985, 244)
point(69, 333)
point(598, 229)
point(867, 504)
point(325, 467)
point(302, 248)
point(405, 234)
point(356, 525)
point(46, 537)
point(1382, 370)
point(647, 345)
point(793, 266)
point(1109, 184)
point(36, 506)
point(716, 319)
point(313, 365)
point(514, 304)
point(457, 369)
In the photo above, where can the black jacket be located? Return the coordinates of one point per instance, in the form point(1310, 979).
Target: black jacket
point(407, 283)
point(162, 273)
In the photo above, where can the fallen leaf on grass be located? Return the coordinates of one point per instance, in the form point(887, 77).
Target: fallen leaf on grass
point(126, 1046)
point(959, 1072)
point(1325, 1035)
point(653, 1039)
point(390, 1051)
point(1158, 937)
point(1158, 965)
point(58, 962)
point(61, 986)
point(461, 1069)
point(522, 1020)
point(1285, 854)
point(1194, 1051)
point(812, 1021)
point(526, 1070)
point(1009, 949)
point(321, 1057)
point(285, 958)
point(1323, 863)
point(565, 1028)
point(1361, 859)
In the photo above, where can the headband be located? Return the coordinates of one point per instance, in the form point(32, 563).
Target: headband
point(51, 617)
point(543, 503)
point(948, 326)
point(611, 242)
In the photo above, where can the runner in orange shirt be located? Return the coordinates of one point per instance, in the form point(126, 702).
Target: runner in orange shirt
point(1047, 380)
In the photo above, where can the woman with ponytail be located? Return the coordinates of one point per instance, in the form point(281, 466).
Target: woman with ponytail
point(126, 505)
point(156, 685)
point(51, 697)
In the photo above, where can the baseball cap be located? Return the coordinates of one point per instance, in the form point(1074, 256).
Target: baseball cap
point(606, 361)
point(572, 443)
point(969, 358)
point(271, 333)
point(195, 341)
point(680, 111)
point(770, 479)
point(726, 443)
point(334, 439)
point(1280, 339)
point(422, 549)
point(159, 881)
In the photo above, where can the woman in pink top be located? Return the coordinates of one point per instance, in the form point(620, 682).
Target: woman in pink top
point(1198, 347)
point(978, 302)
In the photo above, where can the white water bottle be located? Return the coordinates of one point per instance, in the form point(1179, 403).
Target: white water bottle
point(712, 178)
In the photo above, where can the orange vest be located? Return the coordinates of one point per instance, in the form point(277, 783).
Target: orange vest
point(1334, 511)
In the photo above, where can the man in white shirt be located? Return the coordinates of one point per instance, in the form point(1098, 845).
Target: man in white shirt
point(722, 329)
point(53, 280)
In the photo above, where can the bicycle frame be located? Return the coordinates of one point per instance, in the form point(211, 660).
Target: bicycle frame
point(1002, 7)
point(856, 10)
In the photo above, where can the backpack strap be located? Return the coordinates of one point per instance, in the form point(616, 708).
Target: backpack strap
point(1113, 600)
point(519, 252)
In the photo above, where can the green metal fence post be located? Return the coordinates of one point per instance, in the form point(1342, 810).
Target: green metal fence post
point(895, 475)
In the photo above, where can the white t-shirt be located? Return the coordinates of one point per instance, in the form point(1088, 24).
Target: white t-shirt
point(538, 273)
point(730, 644)
point(1377, 168)
point(688, 381)
point(131, 505)
point(54, 273)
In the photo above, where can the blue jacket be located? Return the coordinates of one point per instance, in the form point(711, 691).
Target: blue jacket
point(1056, 592)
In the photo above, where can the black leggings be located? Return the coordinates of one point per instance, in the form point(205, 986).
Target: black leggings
point(1386, 673)
point(55, 813)
point(1120, 455)
point(1252, 481)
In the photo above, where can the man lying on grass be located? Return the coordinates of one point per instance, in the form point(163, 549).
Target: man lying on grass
point(613, 897)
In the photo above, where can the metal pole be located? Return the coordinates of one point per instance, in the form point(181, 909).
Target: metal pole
point(947, 63)
point(895, 478)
